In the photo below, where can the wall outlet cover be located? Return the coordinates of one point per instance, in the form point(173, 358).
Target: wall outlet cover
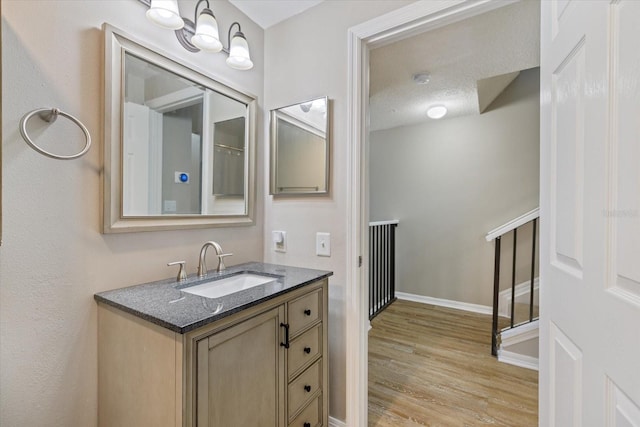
point(323, 244)
point(170, 206)
point(279, 239)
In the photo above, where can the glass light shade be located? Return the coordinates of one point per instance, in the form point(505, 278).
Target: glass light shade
point(239, 53)
point(437, 111)
point(166, 14)
point(206, 36)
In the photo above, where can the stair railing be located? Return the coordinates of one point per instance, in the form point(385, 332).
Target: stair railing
point(496, 235)
point(382, 265)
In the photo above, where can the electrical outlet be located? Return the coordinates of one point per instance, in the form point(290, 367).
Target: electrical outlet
point(323, 244)
point(279, 241)
point(170, 206)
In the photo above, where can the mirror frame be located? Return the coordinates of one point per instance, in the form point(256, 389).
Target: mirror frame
point(116, 43)
point(273, 161)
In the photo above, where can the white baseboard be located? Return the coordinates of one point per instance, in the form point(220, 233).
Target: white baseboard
point(518, 359)
point(522, 294)
point(334, 422)
point(476, 308)
point(520, 334)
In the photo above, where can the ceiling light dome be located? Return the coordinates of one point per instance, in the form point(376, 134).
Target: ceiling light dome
point(437, 112)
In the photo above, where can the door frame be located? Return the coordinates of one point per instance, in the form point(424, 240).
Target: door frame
point(412, 19)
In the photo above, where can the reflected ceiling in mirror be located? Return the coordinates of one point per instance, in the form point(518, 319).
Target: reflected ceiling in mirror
point(179, 146)
point(300, 148)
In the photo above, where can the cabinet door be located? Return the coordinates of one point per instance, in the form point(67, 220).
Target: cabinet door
point(240, 375)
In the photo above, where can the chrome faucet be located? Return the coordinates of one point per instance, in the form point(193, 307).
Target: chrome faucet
point(202, 268)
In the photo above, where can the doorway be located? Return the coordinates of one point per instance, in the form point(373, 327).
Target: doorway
point(363, 38)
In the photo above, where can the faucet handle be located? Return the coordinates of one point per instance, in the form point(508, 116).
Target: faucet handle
point(182, 273)
point(221, 266)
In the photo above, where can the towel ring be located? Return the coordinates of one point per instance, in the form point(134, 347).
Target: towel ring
point(50, 115)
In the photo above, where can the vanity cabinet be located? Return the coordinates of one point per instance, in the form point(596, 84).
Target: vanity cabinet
point(264, 366)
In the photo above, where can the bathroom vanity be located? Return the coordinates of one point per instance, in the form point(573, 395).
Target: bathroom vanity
point(168, 356)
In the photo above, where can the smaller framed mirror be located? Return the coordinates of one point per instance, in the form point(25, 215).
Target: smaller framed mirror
point(300, 148)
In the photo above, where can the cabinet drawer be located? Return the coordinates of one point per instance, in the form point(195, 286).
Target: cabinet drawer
point(304, 311)
point(311, 416)
point(304, 350)
point(303, 388)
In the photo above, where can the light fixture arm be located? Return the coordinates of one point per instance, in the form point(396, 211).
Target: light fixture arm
point(229, 36)
point(195, 12)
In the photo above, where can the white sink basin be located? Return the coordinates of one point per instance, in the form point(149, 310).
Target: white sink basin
point(217, 288)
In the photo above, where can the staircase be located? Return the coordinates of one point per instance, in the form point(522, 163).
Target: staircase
point(516, 300)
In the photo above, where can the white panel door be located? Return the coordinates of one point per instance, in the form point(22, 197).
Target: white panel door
point(590, 213)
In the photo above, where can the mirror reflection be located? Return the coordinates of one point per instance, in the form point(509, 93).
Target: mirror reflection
point(299, 148)
point(173, 163)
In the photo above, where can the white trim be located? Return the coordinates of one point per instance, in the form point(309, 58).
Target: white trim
point(475, 308)
point(526, 332)
point(334, 422)
point(401, 23)
point(518, 359)
point(522, 292)
point(513, 224)
point(389, 222)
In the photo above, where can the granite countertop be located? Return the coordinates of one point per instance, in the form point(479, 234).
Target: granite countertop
point(164, 304)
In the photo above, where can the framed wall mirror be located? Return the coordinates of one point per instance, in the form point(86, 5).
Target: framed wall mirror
point(300, 148)
point(179, 146)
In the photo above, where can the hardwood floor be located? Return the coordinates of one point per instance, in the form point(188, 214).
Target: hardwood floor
point(432, 366)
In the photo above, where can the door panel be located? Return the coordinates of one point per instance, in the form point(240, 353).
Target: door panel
point(624, 207)
point(590, 214)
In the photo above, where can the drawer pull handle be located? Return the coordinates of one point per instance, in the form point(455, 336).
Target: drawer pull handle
point(307, 350)
point(307, 312)
point(285, 344)
point(307, 424)
point(307, 388)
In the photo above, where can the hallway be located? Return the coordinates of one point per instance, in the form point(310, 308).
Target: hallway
point(432, 366)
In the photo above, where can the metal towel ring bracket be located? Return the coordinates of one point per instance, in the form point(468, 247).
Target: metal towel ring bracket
point(50, 115)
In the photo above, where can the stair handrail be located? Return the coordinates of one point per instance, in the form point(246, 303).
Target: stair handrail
point(387, 222)
point(513, 224)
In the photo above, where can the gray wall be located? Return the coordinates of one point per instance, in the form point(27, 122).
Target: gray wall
point(305, 58)
point(53, 257)
point(451, 181)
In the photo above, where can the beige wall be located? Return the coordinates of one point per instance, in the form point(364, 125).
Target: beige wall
point(306, 57)
point(451, 181)
point(53, 257)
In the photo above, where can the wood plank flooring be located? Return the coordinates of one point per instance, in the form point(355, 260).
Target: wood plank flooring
point(432, 366)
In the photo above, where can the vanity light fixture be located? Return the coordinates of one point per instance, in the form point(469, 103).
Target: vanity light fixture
point(437, 112)
point(202, 32)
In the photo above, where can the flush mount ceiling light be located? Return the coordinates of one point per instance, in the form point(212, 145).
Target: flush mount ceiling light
point(202, 32)
point(437, 111)
point(421, 78)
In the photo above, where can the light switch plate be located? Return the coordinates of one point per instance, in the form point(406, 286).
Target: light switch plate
point(323, 244)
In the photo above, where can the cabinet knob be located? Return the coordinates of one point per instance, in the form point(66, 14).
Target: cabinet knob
point(307, 312)
point(307, 424)
point(307, 350)
point(307, 388)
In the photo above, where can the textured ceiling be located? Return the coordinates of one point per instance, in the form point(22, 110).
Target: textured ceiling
point(269, 12)
point(456, 56)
